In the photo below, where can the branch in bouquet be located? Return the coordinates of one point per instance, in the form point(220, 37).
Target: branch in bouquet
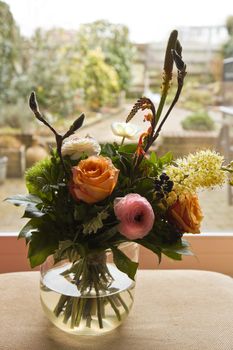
point(75, 126)
point(141, 104)
point(181, 73)
point(35, 109)
point(167, 74)
point(59, 138)
point(173, 54)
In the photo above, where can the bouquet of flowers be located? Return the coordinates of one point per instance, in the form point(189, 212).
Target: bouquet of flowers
point(87, 199)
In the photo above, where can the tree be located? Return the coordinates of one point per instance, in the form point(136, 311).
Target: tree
point(113, 40)
point(10, 42)
point(99, 81)
point(229, 25)
point(48, 68)
point(228, 46)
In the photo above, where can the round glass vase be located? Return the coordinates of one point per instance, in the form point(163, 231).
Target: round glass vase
point(90, 296)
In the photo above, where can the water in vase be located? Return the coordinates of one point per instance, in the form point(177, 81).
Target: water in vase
point(86, 314)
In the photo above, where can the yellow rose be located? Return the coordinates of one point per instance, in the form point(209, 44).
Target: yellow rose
point(94, 179)
point(186, 213)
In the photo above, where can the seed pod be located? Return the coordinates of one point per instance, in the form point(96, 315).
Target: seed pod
point(168, 61)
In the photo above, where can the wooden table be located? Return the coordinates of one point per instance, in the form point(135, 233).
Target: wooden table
point(173, 309)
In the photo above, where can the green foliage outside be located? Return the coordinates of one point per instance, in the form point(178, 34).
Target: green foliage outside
point(113, 39)
point(47, 72)
point(200, 121)
point(228, 46)
point(10, 42)
point(197, 96)
point(99, 81)
point(66, 68)
point(16, 116)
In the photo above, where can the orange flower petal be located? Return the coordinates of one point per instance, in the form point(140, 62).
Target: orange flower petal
point(94, 179)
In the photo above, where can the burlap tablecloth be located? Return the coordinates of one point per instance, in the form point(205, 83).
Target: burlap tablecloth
point(175, 310)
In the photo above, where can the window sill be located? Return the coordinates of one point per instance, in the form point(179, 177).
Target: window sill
point(213, 252)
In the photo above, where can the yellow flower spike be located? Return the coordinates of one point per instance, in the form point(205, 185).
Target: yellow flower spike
point(199, 170)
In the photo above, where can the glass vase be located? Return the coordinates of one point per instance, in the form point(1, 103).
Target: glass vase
point(90, 296)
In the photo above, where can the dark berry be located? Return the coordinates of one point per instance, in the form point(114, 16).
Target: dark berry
point(157, 187)
point(168, 186)
point(157, 182)
point(159, 195)
point(164, 177)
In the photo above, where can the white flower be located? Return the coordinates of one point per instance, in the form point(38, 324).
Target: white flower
point(75, 147)
point(127, 130)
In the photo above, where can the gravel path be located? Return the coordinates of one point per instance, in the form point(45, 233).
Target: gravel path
point(101, 131)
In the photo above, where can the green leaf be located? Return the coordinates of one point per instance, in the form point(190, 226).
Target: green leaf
point(95, 223)
point(181, 247)
point(129, 148)
point(175, 251)
point(68, 250)
point(24, 199)
point(144, 186)
point(155, 249)
point(108, 150)
point(166, 159)
point(124, 162)
point(102, 237)
point(123, 263)
point(153, 157)
point(172, 255)
point(41, 245)
point(32, 212)
point(80, 212)
point(125, 165)
point(25, 232)
point(43, 175)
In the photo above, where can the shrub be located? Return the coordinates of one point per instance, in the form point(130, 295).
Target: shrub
point(200, 121)
point(113, 40)
point(17, 116)
point(99, 81)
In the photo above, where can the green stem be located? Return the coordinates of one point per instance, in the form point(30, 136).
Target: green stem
point(162, 102)
point(98, 301)
point(68, 310)
point(74, 311)
point(114, 307)
point(88, 321)
point(80, 312)
point(59, 307)
point(123, 303)
point(130, 294)
point(87, 274)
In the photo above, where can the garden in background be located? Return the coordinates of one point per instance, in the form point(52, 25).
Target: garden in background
point(96, 70)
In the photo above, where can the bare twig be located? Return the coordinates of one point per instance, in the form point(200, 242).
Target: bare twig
point(59, 138)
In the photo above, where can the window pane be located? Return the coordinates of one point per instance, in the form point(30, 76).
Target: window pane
point(101, 68)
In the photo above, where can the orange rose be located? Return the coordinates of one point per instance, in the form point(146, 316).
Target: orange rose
point(186, 213)
point(94, 179)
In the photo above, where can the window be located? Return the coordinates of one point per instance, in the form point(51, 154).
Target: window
point(49, 49)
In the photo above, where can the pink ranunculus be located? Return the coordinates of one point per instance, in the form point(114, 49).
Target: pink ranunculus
point(135, 214)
